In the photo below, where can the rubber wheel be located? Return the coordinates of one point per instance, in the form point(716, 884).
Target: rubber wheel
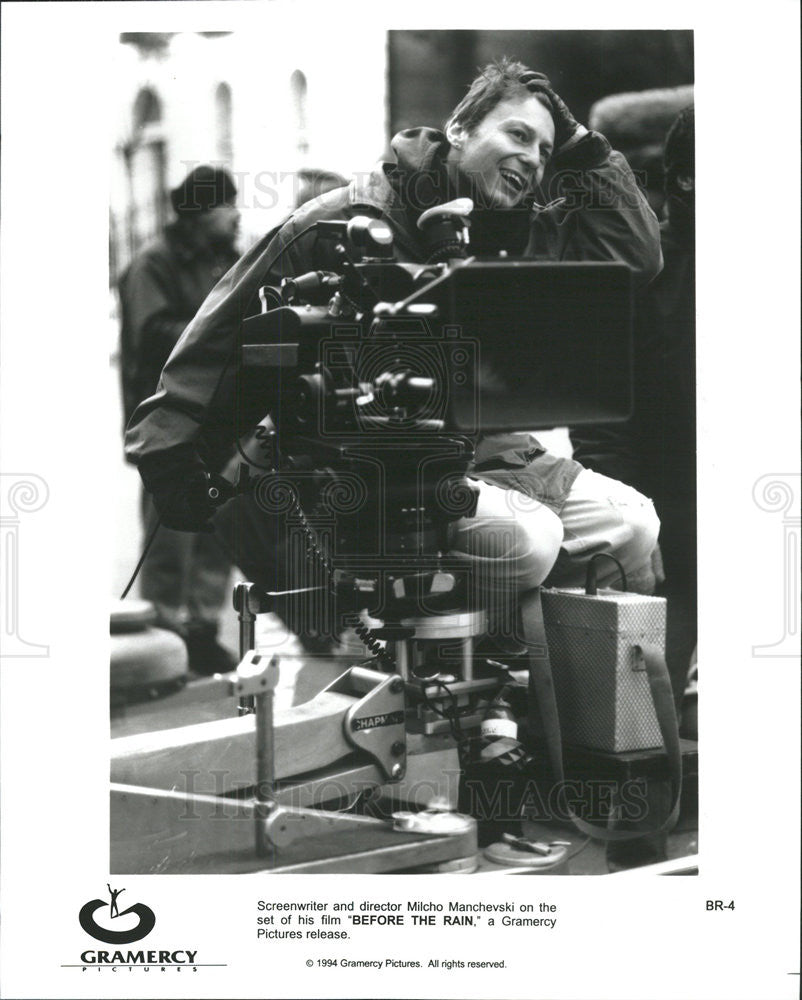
point(151, 657)
point(131, 616)
point(510, 856)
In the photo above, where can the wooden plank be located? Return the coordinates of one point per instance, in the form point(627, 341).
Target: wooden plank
point(157, 832)
point(213, 757)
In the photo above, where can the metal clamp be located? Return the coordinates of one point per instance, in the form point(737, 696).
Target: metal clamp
point(376, 724)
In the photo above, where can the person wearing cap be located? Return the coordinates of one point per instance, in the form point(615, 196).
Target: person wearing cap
point(184, 576)
point(543, 187)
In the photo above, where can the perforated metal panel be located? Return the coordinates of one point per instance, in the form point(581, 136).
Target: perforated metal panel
point(603, 698)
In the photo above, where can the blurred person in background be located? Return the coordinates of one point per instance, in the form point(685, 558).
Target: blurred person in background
point(656, 450)
point(534, 175)
point(184, 576)
point(636, 123)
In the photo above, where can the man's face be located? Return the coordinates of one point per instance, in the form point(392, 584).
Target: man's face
point(220, 225)
point(506, 153)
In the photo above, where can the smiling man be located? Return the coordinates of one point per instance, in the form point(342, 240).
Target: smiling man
point(543, 187)
point(505, 154)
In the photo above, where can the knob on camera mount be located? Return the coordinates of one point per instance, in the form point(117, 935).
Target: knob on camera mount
point(446, 229)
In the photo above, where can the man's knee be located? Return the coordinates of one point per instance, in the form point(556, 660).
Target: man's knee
point(643, 527)
point(538, 547)
point(515, 555)
point(603, 515)
point(636, 553)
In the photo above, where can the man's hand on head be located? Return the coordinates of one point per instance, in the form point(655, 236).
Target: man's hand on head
point(566, 126)
point(568, 132)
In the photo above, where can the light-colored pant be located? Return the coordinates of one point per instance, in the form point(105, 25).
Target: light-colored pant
point(515, 543)
point(512, 544)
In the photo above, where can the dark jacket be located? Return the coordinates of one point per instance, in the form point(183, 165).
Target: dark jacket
point(192, 410)
point(655, 450)
point(160, 292)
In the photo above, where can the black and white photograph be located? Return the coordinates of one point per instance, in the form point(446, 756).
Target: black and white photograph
point(343, 429)
point(384, 440)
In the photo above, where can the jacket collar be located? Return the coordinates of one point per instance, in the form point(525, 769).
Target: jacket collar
point(418, 155)
point(419, 170)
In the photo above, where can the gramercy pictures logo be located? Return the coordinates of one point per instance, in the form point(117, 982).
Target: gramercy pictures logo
point(146, 920)
point(98, 918)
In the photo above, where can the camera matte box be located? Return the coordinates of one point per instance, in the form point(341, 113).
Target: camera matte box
point(554, 343)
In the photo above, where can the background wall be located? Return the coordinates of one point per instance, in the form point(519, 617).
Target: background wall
point(429, 71)
point(262, 107)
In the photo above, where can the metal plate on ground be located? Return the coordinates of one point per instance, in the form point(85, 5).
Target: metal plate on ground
point(506, 854)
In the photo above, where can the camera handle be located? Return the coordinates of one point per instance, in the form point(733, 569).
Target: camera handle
point(445, 228)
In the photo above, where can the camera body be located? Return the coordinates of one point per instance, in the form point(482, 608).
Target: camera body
point(378, 381)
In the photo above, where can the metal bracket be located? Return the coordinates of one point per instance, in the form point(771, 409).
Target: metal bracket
point(254, 675)
point(376, 723)
point(285, 825)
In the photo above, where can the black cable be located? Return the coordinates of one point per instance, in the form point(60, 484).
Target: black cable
point(463, 742)
point(287, 245)
point(145, 550)
point(365, 634)
point(373, 645)
point(579, 849)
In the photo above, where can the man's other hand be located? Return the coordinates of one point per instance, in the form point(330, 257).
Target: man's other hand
point(185, 505)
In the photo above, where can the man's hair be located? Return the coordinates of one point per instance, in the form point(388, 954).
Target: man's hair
point(498, 81)
point(678, 158)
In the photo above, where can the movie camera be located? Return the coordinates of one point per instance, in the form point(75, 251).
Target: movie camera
point(378, 377)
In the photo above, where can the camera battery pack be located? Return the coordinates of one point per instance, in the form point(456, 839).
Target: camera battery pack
point(600, 680)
